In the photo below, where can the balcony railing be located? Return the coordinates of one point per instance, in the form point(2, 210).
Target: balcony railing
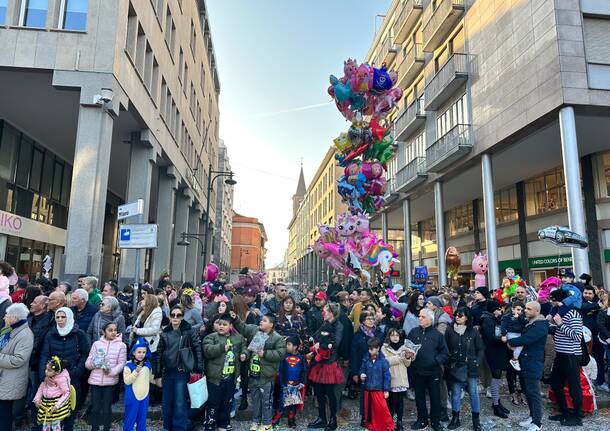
point(439, 21)
point(411, 119)
point(446, 81)
point(449, 148)
point(412, 174)
point(388, 51)
point(390, 193)
point(411, 11)
point(412, 63)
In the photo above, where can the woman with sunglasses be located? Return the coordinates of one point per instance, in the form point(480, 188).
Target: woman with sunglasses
point(66, 341)
point(178, 355)
point(462, 369)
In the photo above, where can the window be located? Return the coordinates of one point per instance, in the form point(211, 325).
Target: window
point(454, 115)
point(186, 77)
point(456, 44)
point(73, 14)
point(140, 51)
point(34, 13)
point(163, 98)
point(159, 9)
point(596, 40)
point(47, 174)
point(193, 38)
point(132, 33)
point(546, 192)
point(505, 203)
point(9, 144)
point(181, 66)
point(148, 67)
point(3, 11)
point(415, 148)
point(36, 170)
point(58, 173)
point(202, 82)
point(154, 84)
point(606, 161)
point(170, 30)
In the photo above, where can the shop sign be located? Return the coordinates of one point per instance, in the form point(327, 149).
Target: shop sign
point(607, 255)
point(550, 261)
point(23, 227)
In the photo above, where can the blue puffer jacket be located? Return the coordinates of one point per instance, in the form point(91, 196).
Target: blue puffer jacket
point(360, 348)
point(533, 340)
point(378, 375)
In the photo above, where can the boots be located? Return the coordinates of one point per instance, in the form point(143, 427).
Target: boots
point(504, 409)
point(292, 422)
point(476, 423)
point(444, 416)
point(455, 421)
point(319, 423)
point(332, 424)
point(209, 422)
point(276, 418)
point(499, 412)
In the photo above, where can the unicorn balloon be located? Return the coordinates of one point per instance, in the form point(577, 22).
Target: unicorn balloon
point(479, 266)
point(382, 254)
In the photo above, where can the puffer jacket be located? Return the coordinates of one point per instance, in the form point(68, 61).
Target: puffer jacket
point(441, 320)
point(14, 365)
point(73, 348)
point(115, 356)
point(377, 373)
point(83, 318)
point(274, 351)
point(214, 352)
point(150, 330)
point(170, 343)
point(398, 365)
point(533, 339)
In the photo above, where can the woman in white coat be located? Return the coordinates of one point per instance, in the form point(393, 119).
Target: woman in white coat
point(148, 323)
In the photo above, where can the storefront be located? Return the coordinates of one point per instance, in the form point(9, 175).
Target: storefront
point(540, 267)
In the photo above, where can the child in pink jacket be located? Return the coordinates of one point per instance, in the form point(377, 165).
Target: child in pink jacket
point(106, 361)
point(52, 397)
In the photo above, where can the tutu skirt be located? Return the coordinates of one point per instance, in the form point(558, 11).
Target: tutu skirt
point(326, 374)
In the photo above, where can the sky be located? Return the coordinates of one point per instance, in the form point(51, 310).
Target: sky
point(274, 58)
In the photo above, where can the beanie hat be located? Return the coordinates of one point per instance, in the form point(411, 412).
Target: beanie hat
point(4, 287)
point(436, 301)
point(483, 290)
point(493, 306)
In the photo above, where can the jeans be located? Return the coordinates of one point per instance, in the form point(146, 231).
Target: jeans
point(471, 385)
point(567, 368)
point(175, 407)
point(220, 397)
point(531, 387)
point(262, 401)
point(101, 407)
point(6, 413)
point(432, 386)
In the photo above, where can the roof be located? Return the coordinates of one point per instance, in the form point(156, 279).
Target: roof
point(301, 188)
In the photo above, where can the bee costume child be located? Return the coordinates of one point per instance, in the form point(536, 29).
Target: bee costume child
point(55, 397)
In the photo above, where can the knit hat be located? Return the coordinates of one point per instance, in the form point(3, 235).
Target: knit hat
point(140, 342)
point(436, 301)
point(493, 306)
point(483, 290)
point(4, 287)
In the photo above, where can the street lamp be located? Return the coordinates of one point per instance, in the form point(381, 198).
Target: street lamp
point(229, 181)
point(184, 241)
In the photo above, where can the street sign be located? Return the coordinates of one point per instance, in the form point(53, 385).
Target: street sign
point(138, 236)
point(131, 209)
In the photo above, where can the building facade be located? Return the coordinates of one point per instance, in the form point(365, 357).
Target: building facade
point(502, 131)
point(221, 250)
point(106, 102)
point(320, 205)
point(248, 240)
point(277, 274)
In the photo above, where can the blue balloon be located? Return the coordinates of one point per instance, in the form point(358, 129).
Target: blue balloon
point(358, 102)
point(381, 79)
point(342, 91)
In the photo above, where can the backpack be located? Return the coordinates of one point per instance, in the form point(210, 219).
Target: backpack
point(72, 398)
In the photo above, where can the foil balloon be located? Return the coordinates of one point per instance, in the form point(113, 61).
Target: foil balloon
point(343, 142)
point(452, 261)
point(360, 80)
point(342, 92)
point(377, 130)
point(349, 69)
point(479, 266)
point(381, 79)
point(383, 255)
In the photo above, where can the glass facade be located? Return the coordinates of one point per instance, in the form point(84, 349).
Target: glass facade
point(35, 13)
point(546, 192)
point(34, 183)
point(75, 14)
point(3, 11)
point(460, 220)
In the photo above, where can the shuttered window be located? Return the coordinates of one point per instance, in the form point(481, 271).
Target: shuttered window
point(597, 35)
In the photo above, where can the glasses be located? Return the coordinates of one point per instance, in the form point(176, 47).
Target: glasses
point(176, 315)
point(460, 315)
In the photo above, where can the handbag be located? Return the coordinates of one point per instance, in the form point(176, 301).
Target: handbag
point(198, 392)
point(585, 358)
point(186, 360)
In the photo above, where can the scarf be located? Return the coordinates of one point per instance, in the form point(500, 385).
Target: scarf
point(5, 333)
point(69, 321)
point(368, 332)
point(396, 346)
point(460, 329)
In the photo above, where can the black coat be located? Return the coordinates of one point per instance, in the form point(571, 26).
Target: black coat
point(360, 348)
point(465, 349)
point(433, 352)
point(84, 318)
point(40, 327)
point(603, 325)
point(314, 319)
point(496, 351)
point(477, 310)
point(73, 348)
point(335, 328)
point(345, 346)
point(170, 342)
point(533, 340)
point(589, 311)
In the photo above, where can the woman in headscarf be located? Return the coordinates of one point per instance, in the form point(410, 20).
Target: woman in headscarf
point(66, 341)
point(16, 343)
point(110, 311)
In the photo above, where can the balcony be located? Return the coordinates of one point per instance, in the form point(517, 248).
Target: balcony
point(411, 11)
point(439, 19)
point(388, 51)
point(449, 148)
point(390, 194)
point(446, 81)
point(410, 119)
point(413, 174)
point(412, 63)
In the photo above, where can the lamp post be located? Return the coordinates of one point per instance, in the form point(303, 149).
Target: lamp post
point(229, 181)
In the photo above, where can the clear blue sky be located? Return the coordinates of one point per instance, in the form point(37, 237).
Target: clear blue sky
point(274, 56)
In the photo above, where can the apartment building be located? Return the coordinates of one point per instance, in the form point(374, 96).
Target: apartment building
point(221, 250)
point(502, 131)
point(105, 102)
point(317, 204)
point(248, 244)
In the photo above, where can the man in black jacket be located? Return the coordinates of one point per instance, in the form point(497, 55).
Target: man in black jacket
point(344, 351)
point(427, 367)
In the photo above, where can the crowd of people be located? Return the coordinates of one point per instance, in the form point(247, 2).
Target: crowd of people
point(73, 351)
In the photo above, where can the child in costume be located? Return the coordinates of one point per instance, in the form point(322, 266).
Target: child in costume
point(53, 396)
point(293, 376)
point(376, 377)
point(137, 376)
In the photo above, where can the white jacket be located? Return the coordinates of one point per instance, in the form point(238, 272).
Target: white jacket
point(151, 328)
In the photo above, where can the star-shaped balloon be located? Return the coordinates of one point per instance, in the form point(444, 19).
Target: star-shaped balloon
point(377, 130)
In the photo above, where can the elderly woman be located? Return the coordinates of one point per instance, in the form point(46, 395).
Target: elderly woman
point(110, 311)
point(16, 344)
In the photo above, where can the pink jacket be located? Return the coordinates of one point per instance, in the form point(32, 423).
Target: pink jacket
point(113, 355)
point(59, 386)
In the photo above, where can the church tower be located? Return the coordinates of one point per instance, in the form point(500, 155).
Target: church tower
point(298, 197)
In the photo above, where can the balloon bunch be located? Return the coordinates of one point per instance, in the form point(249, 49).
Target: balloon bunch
point(350, 247)
point(510, 283)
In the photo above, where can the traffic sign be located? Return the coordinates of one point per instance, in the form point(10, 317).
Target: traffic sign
point(138, 236)
point(131, 209)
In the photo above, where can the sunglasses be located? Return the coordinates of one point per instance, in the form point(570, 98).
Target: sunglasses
point(460, 315)
point(176, 315)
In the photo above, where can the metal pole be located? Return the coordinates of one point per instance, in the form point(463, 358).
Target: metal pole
point(408, 263)
point(207, 217)
point(571, 171)
point(439, 217)
point(493, 281)
point(384, 226)
point(136, 284)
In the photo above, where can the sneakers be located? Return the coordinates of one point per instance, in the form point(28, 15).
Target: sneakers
point(254, 427)
point(515, 364)
point(557, 418)
point(411, 394)
point(533, 427)
point(526, 423)
point(572, 421)
point(488, 393)
point(266, 428)
point(603, 387)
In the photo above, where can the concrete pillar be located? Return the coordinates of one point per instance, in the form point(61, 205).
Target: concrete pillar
point(141, 164)
point(571, 170)
point(522, 215)
point(439, 218)
point(200, 262)
point(183, 202)
point(83, 251)
point(194, 249)
point(166, 201)
point(493, 276)
point(384, 226)
point(406, 230)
